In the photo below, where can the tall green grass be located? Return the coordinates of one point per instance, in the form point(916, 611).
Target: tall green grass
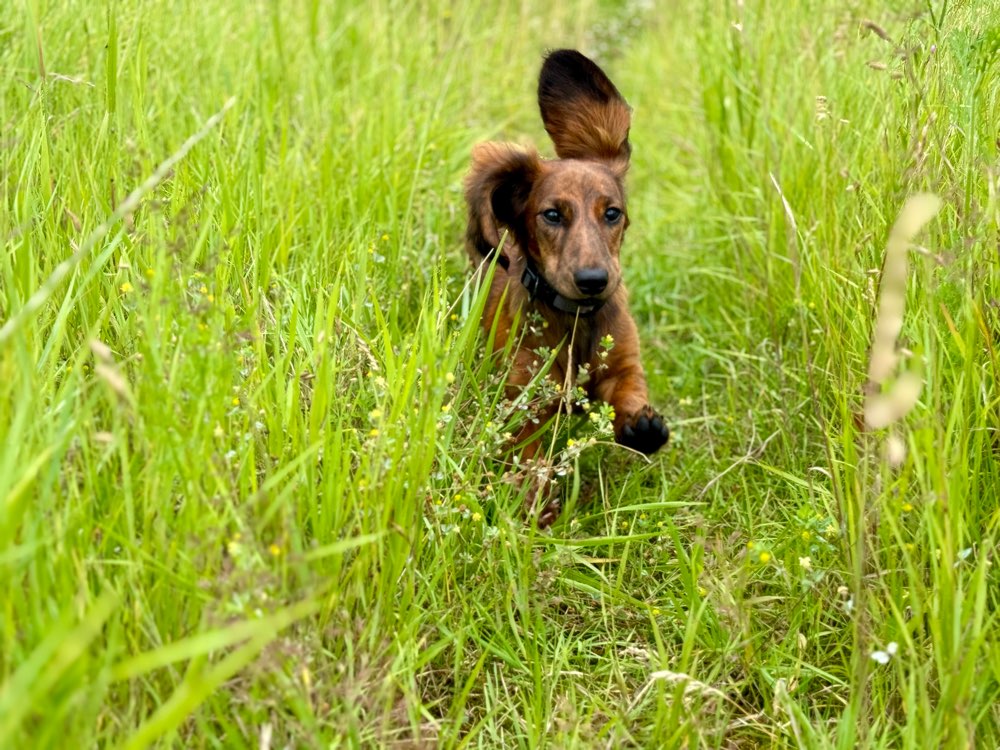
point(250, 481)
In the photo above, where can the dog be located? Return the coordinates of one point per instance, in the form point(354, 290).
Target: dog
point(555, 228)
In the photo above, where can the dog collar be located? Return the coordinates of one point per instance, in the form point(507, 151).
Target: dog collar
point(538, 288)
point(541, 290)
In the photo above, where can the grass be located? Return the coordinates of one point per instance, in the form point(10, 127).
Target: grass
point(250, 493)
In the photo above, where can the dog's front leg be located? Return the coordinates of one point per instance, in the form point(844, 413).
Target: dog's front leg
point(536, 473)
point(623, 385)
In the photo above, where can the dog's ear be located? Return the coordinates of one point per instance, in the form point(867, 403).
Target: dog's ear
point(497, 191)
point(583, 112)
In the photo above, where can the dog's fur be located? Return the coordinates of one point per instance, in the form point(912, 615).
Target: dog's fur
point(562, 217)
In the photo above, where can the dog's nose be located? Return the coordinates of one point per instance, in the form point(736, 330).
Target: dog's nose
point(591, 281)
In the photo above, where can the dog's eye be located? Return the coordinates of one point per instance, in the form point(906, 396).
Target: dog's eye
point(552, 216)
point(612, 215)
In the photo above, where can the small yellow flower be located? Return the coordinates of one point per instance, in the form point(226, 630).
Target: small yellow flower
point(477, 517)
point(907, 507)
point(623, 525)
point(236, 400)
point(570, 443)
point(385, 238)
point(454, 317)
point(203, 289)
point(375, 414)
point(150, 273)
point(373, 432)
point(765, 557)
point(910, 546)
point(126, 288)
point(446, 408)
point(275, 550)
point(806, 535)
point(750, 545)
point(656, 611)
point(449, 377)
point(458, 497)
point(702, 591)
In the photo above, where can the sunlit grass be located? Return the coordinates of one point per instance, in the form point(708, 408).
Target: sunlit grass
point(250, 485)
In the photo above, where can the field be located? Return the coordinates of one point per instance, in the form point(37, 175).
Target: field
point(252, 489)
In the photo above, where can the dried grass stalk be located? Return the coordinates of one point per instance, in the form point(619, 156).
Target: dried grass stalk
point(882, 409)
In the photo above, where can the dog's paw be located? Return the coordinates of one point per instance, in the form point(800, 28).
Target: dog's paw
point(643, 431)
point(549, 513)
point(542, 498)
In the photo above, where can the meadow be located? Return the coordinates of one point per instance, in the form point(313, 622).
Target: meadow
point(251, 481)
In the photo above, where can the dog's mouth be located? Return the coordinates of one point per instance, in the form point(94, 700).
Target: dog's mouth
point(578, 304)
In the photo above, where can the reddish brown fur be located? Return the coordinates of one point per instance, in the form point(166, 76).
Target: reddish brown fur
point(515, 190)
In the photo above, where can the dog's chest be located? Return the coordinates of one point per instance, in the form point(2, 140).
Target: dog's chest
point(576, 353)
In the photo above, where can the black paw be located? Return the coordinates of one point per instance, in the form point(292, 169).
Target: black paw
point(643, 431)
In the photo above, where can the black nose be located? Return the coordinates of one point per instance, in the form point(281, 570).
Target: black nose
point(591, 281)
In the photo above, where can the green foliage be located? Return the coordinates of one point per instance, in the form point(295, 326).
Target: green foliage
point(251, 487)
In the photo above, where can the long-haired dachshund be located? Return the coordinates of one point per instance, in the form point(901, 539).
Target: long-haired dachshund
point(565, 220)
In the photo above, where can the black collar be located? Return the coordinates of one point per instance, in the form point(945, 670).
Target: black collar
point(541, 290)
point(538, 288)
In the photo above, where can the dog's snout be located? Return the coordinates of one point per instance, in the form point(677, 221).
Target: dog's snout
point(591, 281)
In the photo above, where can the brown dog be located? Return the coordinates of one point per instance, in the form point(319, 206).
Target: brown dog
point(565, 220)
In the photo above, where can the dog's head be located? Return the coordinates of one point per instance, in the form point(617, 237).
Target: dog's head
point(568, 214)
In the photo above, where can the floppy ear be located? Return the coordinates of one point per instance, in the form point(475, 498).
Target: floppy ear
point(583, 112)
point(497, 191)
